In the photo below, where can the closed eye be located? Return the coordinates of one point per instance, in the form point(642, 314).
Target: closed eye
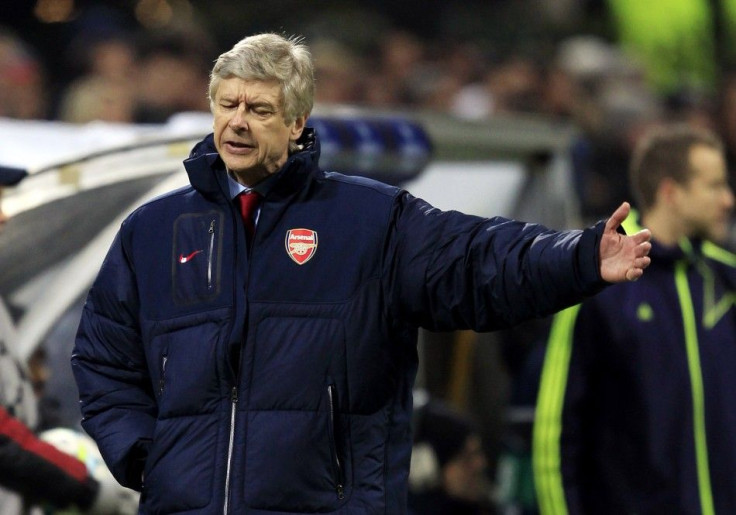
point(262, 110)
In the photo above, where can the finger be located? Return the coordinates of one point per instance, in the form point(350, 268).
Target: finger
point(642, 236)
point(632, 274)
point(618, 217)
point(642, 262)
point(643, 249)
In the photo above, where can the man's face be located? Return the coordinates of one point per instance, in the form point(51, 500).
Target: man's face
point(705, 202)
point(250, 133)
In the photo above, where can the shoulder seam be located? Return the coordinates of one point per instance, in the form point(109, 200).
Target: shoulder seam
point(363, 182)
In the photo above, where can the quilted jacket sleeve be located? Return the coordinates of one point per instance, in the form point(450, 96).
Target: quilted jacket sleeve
point(446, 270)
point(116, 399)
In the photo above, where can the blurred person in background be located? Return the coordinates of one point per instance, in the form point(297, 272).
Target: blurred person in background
point(612, 107)
point(635, 412)
point(97, 99)
point(448, 474)
point(249, 343)
point(514, 85)
point(23, 92)
point(444, 72)
point(171, 74)
point(105, 87)
point(397, 64)
point(32, 471)
point(338, 72)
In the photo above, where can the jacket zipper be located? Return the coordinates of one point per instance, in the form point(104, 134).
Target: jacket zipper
point(233, 392)
point(210, 252)
point(339, 486)
point(162, 379)
point(230, 444)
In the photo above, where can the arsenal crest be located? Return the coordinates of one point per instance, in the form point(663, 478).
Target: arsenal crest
point(301, 244)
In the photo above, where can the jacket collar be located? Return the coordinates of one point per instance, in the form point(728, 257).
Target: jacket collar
point(207, 173)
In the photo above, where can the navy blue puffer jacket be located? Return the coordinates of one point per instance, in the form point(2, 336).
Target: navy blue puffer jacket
point(277, 378)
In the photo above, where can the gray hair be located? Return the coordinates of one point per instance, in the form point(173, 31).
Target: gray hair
point(271, 57)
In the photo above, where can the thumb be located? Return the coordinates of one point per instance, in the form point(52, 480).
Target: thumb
point(618, 217)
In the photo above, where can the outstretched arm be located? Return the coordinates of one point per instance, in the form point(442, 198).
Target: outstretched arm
point(623, 257)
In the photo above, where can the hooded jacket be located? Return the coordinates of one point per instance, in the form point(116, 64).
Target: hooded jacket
point(636, 405)
point(276, 376)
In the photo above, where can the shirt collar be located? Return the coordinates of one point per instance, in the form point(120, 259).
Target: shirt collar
point(262, 188)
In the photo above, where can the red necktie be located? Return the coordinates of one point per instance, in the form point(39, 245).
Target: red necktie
point(248, 202)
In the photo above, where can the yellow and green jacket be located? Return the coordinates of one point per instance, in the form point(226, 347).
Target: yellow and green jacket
point(636, 412)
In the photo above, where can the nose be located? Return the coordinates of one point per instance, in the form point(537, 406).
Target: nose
point(239, 121)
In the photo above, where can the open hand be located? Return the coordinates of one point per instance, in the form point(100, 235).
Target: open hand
point(623, 257)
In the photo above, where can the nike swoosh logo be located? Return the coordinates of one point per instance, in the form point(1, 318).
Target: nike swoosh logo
point(184, 259)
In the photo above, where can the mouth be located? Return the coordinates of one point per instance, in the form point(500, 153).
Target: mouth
point(238, 147)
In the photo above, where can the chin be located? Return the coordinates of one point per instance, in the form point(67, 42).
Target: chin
point(248, 176)
point(236, 164)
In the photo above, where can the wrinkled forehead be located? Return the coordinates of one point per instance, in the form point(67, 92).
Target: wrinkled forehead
point(250, 90)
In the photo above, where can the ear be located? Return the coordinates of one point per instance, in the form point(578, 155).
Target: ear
point(298, 127)
point(667, 190)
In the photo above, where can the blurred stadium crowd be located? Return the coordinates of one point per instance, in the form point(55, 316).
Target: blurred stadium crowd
point(609, 68)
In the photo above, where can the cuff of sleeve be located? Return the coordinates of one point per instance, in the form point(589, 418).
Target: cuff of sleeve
point(589, 260)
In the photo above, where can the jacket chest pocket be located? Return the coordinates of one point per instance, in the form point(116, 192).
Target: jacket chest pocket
point(196, 257)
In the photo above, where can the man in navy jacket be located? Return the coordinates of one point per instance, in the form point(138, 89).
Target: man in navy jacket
point(636, 408)
point(224, 372)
